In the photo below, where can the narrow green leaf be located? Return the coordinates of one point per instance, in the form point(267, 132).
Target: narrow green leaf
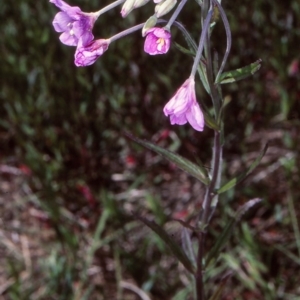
point(197, 171)
point(175, 248)
point(288, 253)
point(202, 73)
point(218, 293)
point(97, 237)
point(210, 122)
point(183, 294)
point(222, 239)
point(224, 236)
point(233, 182)
point(241, 73)
point(185, 50)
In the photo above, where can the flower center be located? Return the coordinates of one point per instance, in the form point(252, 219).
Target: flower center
point(160, 43)
point(70, 25)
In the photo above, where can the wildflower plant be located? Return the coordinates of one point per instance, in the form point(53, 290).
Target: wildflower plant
point(183, 108)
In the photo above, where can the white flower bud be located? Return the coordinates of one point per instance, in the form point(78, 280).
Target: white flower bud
point(139, 3)
point(163, 8)
point(127, 7)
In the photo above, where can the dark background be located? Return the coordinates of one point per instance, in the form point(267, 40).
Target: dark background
point(70, 179)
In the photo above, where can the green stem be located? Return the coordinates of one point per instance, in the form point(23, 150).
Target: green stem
point(108, 7)
point(216, 169)
point(210, 77)
point(204, 11)
point(217, 152)
point(228, 38)
point(130, 30)
point(216, 165)
point(175, 14)
point(202, 42)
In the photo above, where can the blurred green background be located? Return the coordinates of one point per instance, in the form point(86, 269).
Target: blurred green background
point(70, 179)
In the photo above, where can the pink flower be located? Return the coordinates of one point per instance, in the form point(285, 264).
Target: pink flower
point(73, 23)
point(183, 107)
point(88, 52)
point(157, 41)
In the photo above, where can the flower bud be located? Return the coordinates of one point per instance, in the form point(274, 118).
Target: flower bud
point(127, 7)
point(163, 8)
point(139, 3)
point(150, 23)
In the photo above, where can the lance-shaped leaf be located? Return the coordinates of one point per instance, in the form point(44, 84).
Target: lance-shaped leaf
point(288, 253)
point(241, 73)
point(184, 50)
point(210, 122)
point(233, 182)
point(224, 236)
point(175, 248)
point(197, 171)
point(218, 292)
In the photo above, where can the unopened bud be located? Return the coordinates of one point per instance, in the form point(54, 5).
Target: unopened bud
point(163, 8)
point(139, 3)
point(127, 7)
point(150, 23)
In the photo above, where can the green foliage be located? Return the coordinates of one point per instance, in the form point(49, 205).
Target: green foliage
point(239, 74)
point(175, 248)
point(223, 238)
point(234, 181)
point(192, 169)
point(66, 125)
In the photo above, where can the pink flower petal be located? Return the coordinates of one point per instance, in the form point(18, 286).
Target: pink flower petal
point(183, 107)
point(195, 117)
point(158, 41)
point(86, 55)
point(73, 23)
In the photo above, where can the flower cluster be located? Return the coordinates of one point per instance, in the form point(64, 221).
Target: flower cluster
point(76, 28)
